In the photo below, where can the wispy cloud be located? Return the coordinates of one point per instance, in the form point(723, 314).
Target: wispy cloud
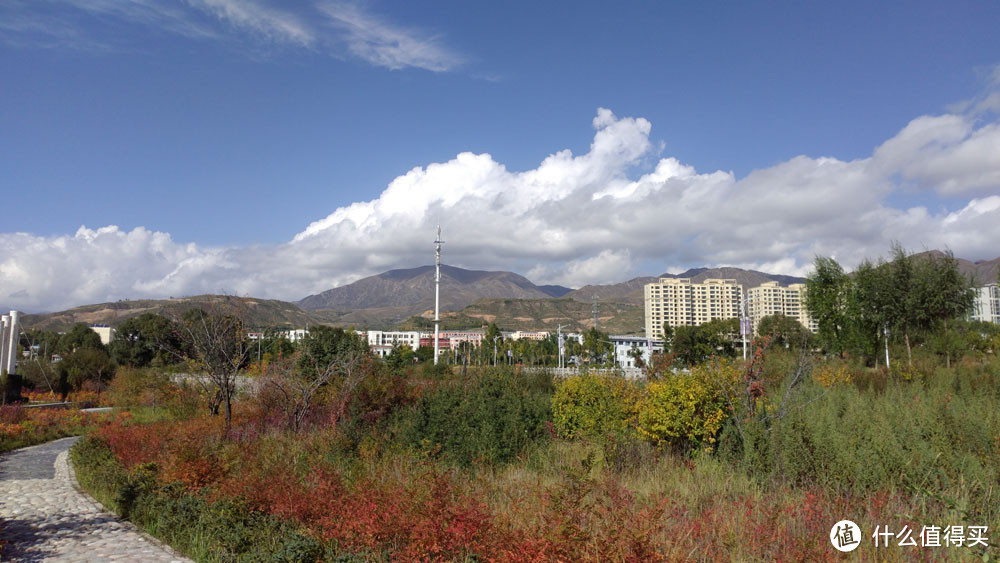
point(337, 29)
point(273, 24)
point(383, 44)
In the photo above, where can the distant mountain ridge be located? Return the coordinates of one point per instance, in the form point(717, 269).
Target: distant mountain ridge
point(413, 290)
point(980, 272)
point(258, 312)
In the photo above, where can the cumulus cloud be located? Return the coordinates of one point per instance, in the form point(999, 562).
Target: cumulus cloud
point(573, 220)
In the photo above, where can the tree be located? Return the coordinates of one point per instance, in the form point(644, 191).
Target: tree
point(144, 340)
point(929, 292)
point(400, 356)
point(874, 299)
point(596, 344)
point(295, 382)
point(217, 342)
point(636, 354)
point(80, 336)
point(720, 335)
point(783, 330)
point(324, 345)
point(690, 345)
point(827, 299)
point(668, 337)
point(493, 337)
point(88, 365)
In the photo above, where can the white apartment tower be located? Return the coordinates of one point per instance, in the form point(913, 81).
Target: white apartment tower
point(681, 302)
point(770, 298)
point(986, 307)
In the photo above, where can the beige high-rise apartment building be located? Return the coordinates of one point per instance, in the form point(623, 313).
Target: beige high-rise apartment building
point(770, 298)
point(986, 307)
point(680, 302)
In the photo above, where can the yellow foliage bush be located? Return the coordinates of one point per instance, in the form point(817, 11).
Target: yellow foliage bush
point(830, 374)
point(684, 410)
point(593, 405)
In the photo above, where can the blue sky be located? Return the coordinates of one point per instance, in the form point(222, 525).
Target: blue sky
point(252, 147)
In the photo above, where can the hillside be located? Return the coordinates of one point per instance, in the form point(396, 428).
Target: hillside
point(412, 290)
point(259, 312)
point(981, 272)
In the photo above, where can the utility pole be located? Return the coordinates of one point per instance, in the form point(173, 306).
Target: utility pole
point(885, 330)
point(744, 322)
point(559, 343)
point(596, 309)
point(437, 291)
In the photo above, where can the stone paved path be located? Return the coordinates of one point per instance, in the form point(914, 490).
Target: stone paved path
point(46, 518)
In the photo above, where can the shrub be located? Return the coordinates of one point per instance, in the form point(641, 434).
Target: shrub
point(489, 420)
point(593, 405)
point(20, 427)
point(683, 411)
point(225, 530)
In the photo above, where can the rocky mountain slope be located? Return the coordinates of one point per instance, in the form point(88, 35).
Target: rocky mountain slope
point(412, 289)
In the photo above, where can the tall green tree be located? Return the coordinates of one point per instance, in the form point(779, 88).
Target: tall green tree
point(143, 341)
point(78, 337)
point(929, 291)
point(827, 299)
point(596, 344)
point(690, 345)
point(88, 365)
point(783, 330)
point(493, 337)
point(874, 300)
point(325, 345)
point(668, 337)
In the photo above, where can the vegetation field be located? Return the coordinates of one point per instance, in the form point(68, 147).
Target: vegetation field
point(332, 454)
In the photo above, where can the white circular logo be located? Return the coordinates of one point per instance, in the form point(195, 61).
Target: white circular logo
point(845, 536)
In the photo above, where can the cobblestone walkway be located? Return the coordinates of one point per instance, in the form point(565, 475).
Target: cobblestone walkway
point(46, 518)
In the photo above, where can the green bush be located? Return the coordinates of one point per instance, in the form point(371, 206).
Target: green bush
point(593, 405)
point(225, 530)
point(488, 419)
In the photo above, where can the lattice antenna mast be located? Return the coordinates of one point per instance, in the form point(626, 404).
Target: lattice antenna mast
point(596, 311)
point(437, 292)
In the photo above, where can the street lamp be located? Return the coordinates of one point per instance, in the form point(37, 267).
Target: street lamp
point(495, 338)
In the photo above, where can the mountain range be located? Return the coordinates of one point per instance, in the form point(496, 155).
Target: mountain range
point(469, 298)
point(413, 288)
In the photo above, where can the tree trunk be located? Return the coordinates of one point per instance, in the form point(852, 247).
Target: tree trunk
point(909, 353)
point(227, 398)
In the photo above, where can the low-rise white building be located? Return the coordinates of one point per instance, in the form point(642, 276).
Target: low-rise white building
point(106, 333)
point(623, 346)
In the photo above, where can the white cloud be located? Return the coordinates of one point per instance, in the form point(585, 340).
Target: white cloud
point(574, 219)
point(276, 25)
point(333, 28)
point(382, 44)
